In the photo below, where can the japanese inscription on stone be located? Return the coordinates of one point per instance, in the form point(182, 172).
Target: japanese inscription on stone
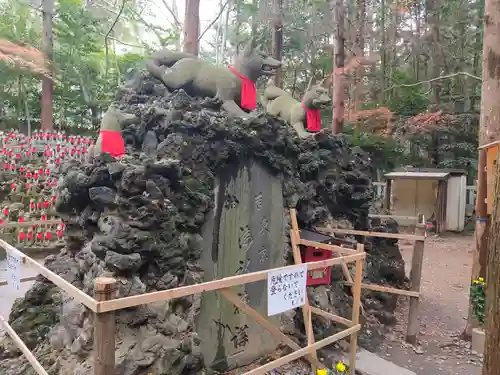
point(286, 289)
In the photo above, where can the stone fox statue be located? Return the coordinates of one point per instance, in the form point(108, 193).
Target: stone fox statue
point(303, 115)
point(110, 138)
point(234, 85)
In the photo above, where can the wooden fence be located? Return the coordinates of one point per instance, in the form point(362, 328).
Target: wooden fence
point(418, 240)
point(104, 304)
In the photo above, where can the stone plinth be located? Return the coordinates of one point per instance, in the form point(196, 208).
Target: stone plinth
point(244, 233)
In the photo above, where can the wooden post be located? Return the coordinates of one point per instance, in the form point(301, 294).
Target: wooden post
point(388, 187)
point(415, 278)
point(104, 329)
point(356, 303)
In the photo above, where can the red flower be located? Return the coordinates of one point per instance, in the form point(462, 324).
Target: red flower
point(22, 236)
point(39, 236)
point(30, 235)
point(6, 212)
point(21, 219)
point(48, 236)
point(39, 205)
point(59, 233)
point(13, 186)
point(46, 204)
point(28, 186)
point(44, 217)
point(32, 205)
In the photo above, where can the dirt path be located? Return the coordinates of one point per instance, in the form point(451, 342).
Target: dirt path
point(443, 310)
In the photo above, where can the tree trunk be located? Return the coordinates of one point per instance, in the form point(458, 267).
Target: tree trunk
point(338, 66)
point(191, 27)
point(255, 19)
point(278, 38)
point(237, 9)
point(489, 131)
point(492, 311)
point(359, 52)
point(47, 88)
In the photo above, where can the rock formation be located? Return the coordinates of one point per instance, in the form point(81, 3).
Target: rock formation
point(139, 220)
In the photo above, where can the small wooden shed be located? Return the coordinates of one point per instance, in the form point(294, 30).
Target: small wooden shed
point(436, 193)
point(491, 171)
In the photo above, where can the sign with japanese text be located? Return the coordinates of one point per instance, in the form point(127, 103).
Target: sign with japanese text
point(286, 289)
point(14, 270)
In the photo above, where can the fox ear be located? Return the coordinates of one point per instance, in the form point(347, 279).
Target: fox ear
point(327, 81)
point(247, 51)
point(309, 85)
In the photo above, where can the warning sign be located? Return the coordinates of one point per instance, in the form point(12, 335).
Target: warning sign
point(286, 289)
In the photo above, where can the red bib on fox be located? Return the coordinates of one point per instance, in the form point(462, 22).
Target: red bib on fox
point(112, 143)
point(313, 119)
point(248, 91)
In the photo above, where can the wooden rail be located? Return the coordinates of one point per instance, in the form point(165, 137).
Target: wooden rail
point(415, 275)
point(104, 304)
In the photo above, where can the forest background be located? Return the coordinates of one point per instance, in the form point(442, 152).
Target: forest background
point(410, 85)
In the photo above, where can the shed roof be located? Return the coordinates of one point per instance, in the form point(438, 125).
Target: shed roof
point(418, 175)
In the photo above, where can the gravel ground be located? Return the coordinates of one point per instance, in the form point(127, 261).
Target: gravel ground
point(443, 311)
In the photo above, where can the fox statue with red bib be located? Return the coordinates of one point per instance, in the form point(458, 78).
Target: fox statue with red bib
point(110, 134)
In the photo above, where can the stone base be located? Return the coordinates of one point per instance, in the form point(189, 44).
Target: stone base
point(478, 338)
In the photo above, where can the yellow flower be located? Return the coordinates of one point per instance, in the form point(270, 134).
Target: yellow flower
point(475, 282)
point(322, 371)
point(481, 279)
point(340, 367)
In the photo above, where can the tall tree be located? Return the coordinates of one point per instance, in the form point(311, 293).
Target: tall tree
point(277, 21)
point(490, 131)
point(46, 106)
point(192, 27)
point(338, 13)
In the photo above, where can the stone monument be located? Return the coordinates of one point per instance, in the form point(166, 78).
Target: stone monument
point(244, 233)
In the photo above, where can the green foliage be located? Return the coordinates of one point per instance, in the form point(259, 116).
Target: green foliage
point(478, 299)
point(386, 154)
point(406, 101)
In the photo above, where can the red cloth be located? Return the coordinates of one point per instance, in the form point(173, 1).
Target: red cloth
point(313, 119)
point(248, 91)
point(112, 143)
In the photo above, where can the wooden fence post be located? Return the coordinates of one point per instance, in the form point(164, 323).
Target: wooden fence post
point(104, 329)
point(356, 304)
point(415, 278)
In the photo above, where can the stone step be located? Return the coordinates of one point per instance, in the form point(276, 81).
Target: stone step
point(368, 363)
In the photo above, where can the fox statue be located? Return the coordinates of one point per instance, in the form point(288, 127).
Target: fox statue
point(304, 116)
point(110, 138)
point(234, 85)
